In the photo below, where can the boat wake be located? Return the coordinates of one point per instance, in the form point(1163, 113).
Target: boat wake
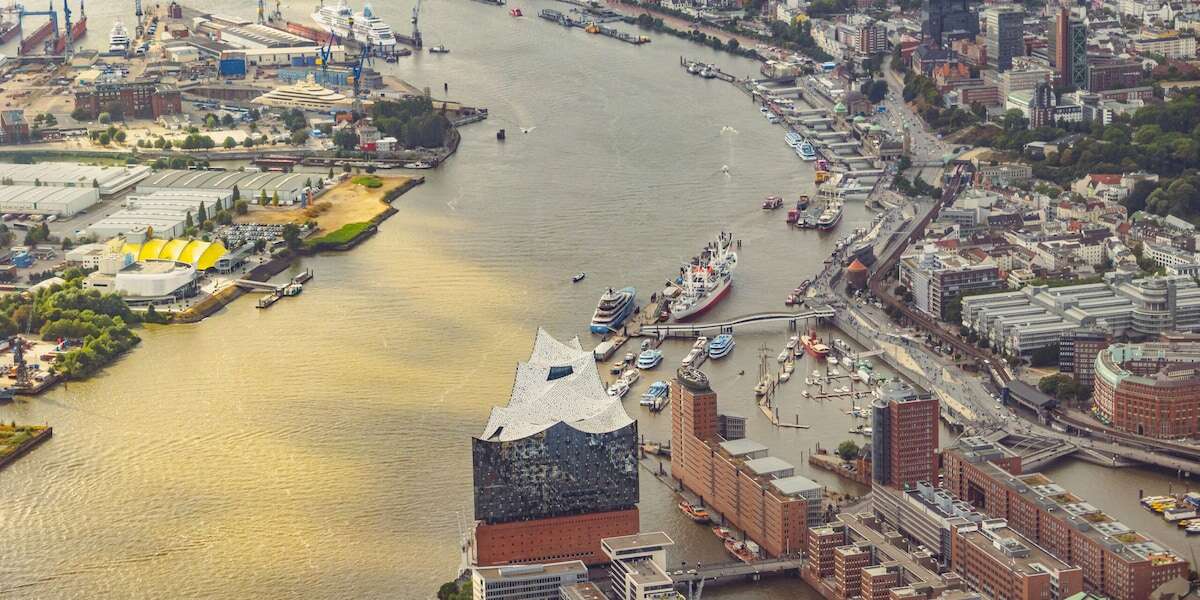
point(727, 129)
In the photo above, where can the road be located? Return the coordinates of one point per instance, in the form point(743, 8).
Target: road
point(925, 144)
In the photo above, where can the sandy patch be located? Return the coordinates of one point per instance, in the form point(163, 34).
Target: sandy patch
point(349, 203)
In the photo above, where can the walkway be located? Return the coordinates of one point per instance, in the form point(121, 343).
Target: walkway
point(729, 570)
point(727, 326)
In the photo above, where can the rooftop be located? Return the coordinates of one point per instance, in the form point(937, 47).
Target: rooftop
point(769, 465)
point(154, 267)
point(582, 591)
point(559, 384)
point(638, 540)
point(742, 447)
point(1010, 548)
point(514, 571)
point(796, 485)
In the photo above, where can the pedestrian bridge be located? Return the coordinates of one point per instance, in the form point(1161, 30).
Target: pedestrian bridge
point(737, 570)
point(258, 286)
point(727, 326)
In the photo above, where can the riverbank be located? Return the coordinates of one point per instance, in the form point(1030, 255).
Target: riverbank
point(17, 440)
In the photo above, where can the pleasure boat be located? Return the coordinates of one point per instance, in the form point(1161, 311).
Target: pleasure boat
point(578, 277)
point(721, 346)
point(698, 353)
point(783, 356)
point(419, 165)
point(706, 279)
point(630, 376)
point(649, 359)
point(806, 151)
point(658, 389)
point(742, 550)
point(118, 39)
point(614, 308)
point(516, 12)
point(618, 389)
point(793, 139)
point(792, 342)
point(772, 203)
point(802, 203)
point(438, 49)
point(363, 27)
point(833, 360)
point(830, 217)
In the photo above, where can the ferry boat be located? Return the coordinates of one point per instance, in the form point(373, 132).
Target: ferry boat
point(793, 139)
point(830, 217)
point(613, 309)
point(420, 164)
point(698, 354)
point(118, 39)
point(806, 152)
point(706, 280)
point(657, 390)
point(772, 203)
point(363, 27)
point(813, 345)
point(695, 513)
point(618, 389)
point(649, 359)
point(721, 346)
point(745, 551)
point(1179, 513)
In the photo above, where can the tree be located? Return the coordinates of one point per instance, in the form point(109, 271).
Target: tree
point(237, 194)
point(291, 235)
point(298, 137)
point(187, 221)
point(275, 198)
point(241, 207)
point(201, 214)
point(848, 450)
point(262, 197)
point(229, 143)
point(103, 139)
point(227, 120)
point(345, 138)
point(119, 136)
point(248, 142)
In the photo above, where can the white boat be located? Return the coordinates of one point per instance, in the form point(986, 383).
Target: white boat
point(834, 373)
point(783, 356)
point(833, 360)
point(417, 165)
point(439, 49)
point(618, 389)
point(649, 359)
point(721, 346)
point(655, 394)
point(363, 27)
point(786, 375)
point(118, 39)
point(630, 376)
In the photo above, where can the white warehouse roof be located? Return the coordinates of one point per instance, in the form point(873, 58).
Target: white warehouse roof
point(36, 200)
point(110, 179)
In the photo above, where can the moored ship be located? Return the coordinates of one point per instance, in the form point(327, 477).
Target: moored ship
point(695, 513)
point(830, 217)
point(615, 306)
point(745, 551)
point(813, 345)
point(806, 152)
point(118, 39)
point(706, 279)
point(363, 27)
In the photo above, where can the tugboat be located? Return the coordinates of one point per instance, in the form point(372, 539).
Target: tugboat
point(695, 513)
point(438, 49)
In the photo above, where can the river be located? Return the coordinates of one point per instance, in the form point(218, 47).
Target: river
point(322, 448)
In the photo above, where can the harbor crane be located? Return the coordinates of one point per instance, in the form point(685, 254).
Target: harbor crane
point(67, 22)
point(140, 29)
point(49, 12)
point(364, 59)
point(262, 13)
point(416, 36)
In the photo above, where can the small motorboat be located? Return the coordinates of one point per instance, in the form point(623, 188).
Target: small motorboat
point(516, 12)
point(772, 202)
point(438, 49)
point(630, 376)
point(618, 389)
point(578, 277)
point(783, 356)
point(418, 165)
point(500, 135)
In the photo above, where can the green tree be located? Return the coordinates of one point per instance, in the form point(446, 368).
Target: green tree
point(241, 207)
point(201, 214)
point(103, 139)
point(237, 194)
point(848, 450)
point(346, 139)
point(229, 143)
point(187, 221)
point(291, 235)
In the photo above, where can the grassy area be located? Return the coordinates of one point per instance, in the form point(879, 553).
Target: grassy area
point(370, 181)
point(340, 236)
point(12, 436)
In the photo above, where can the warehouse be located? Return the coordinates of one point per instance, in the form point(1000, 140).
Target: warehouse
point(186, 200)
point(148, 282)
point(36, 200)
point(108, 180)
point(290, 187)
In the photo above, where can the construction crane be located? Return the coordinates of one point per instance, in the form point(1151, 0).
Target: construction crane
point(140, 30)
point(416, 36)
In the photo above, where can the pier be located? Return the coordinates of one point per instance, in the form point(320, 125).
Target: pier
point(698, 329)
point(714, 72)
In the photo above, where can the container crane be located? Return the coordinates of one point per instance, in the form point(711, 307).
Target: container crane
point(416, 36)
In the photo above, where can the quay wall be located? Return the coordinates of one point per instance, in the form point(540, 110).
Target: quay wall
point(29, 444)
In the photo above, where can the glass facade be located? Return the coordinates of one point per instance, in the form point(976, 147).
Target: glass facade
point(559, 471)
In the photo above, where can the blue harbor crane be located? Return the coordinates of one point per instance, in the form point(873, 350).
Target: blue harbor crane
point(67, 22)
point(325, 53)
point(364, 59)
point(416, 36)
point(49, 12)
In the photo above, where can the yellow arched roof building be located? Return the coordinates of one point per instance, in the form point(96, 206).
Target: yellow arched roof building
point(200, 254)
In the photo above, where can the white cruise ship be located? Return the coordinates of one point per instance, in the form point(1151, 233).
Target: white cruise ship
point(364, 27)
point(118, 39)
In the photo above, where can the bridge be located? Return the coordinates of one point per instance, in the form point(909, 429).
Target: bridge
point(258, 286)
point(727, 326)
point(737, 570)
point(1037, 451)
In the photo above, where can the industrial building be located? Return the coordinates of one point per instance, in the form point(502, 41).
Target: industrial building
point(141, 99)
point(1035, 317)
point(198, 253)
point(1116, 561)
point(160, 213)
point(1150, 389)
point(37, 200)
point(555, 471)
point(736, 479)
point(107, 180)
point(291, 187)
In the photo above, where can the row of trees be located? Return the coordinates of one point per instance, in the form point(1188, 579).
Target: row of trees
point(412, 121)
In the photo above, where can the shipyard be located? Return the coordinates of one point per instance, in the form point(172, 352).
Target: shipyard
point(768, 300)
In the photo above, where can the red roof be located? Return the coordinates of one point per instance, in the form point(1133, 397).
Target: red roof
point(856, 266)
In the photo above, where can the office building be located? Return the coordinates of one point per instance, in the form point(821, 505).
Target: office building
point(1068, 49)
point(904, 435)
point(1001, 563)
point(923, 513)
point(1113, 74)
point(937, 279)
point(1115, 560)
point(1034, 317)
point(735, 479)
point(1077, 351)
point(526, 582)
point(638, 565)
point(848, 564)
point(140, 99)
point(555, 471)
point(1150, 389)
point(1005, 37)
point(943, 21)
point(1042, 106)
point(582, 591)
point(1170, 45)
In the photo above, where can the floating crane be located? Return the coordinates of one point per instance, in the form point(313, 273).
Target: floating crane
point(416, 36)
